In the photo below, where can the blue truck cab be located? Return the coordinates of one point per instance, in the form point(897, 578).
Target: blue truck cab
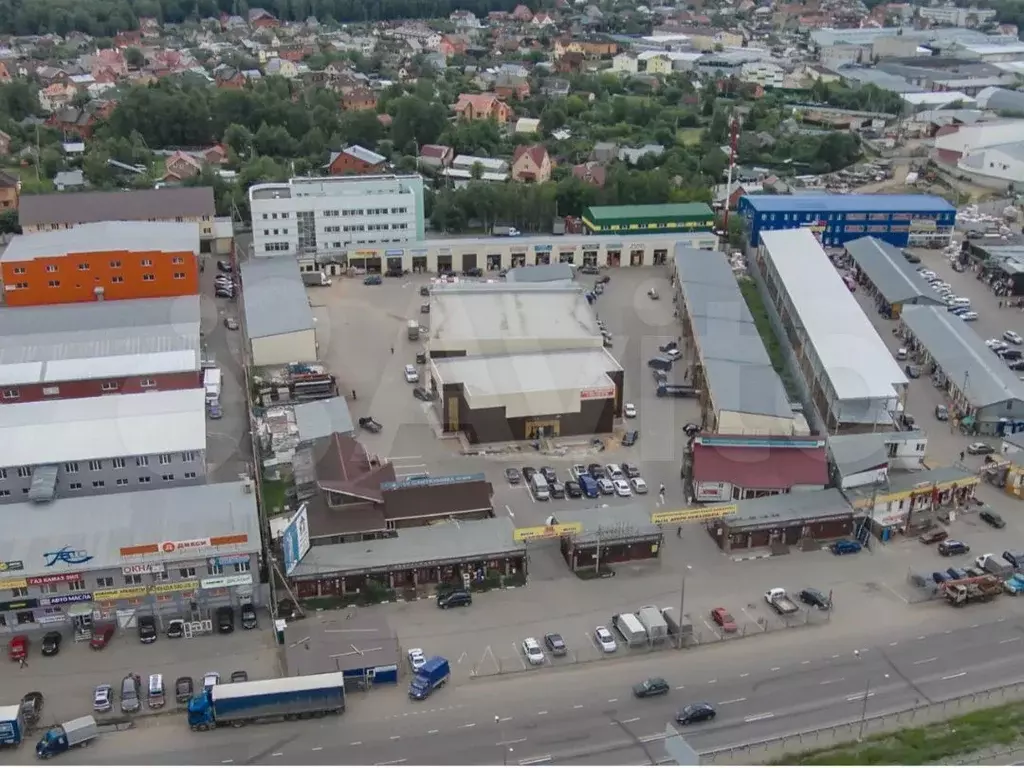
point(589, 487)
point(431, 675)
point(12, 725)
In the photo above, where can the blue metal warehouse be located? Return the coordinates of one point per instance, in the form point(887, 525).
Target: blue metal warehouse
point(900, 220)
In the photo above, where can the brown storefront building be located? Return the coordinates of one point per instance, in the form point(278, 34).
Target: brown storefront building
point(450, 554)
point(784, 520)
point(610, 536)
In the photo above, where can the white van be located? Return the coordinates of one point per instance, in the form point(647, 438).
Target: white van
point(156, 691)
point(539, 487)
point(959, 301)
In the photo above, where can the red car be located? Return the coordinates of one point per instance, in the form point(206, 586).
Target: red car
point(18, 648)
point(724, 619)
point(101, 637)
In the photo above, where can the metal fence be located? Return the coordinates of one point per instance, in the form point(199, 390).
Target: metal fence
point(581, 651)
point(850, 731)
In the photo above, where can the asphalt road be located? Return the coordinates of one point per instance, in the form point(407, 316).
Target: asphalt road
point(578, 717)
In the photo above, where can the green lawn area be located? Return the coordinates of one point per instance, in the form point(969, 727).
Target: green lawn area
point(767, 333)
point(274, 494)
point(689, 137)
point(956, 738)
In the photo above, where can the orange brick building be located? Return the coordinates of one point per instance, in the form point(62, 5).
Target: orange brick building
point(105, 261)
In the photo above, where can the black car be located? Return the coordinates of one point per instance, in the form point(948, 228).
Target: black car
point(669, 346)
point(992, 519)
point(953, 547)
point(695, 713)
point(555, 644)
point(940, 576)
point(596, 471)
point(248, 616)
point(630, 470)
point(175, 628)
point(652, 686)
point(422, 394)
point(421, 358)
point(183, 688)
point(816, 598)
point(455, 599)
point(912, 371)
point(528, 473)
point(1016, 559)
point(225, 619)
point(225, 266)
point(557, 490)
point(240, 676)
point(51, 643)
point(573, 490)
point(913, 258)
point(513, 476)
point(631, 437)
point(424, 290)
point(549, 474)
point(147, 629)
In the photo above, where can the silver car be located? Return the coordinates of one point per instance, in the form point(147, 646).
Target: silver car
point(130, 701)
point(103, 698)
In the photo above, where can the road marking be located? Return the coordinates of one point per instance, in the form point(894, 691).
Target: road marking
point(859, 696)
point(277, 754)
point(510, 741)
point(1009, 640)
point(652, 737)
point(356, 744)
point(542, 712)
point(952, 677)
point(775, 669)
point(504, 719)
point(974, 626)
point(835, 655)
point(536, 760)
point(631, 720)
point(227, 761)
point(461, 658)
point(431, 733)
point(733, 701)
point(468, 725)
point(317, 749)
point(829, 682)
point(805, 662)
point(393, 762)
point(950, 631)
point(745, 674)
point(927, 661)
point(892, 644)
point(577, 706)
point(612, 701)
point(755, 718)
point(395, 738)
point(680, 687)
point(712, 682)
point(921, 637)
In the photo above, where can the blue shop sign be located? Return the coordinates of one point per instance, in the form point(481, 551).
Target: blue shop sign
point(433, 482)
point(542, 249)
point(418, 251)
point(77, 597)
point(397, 252)
point(228, 560)
point(66, 555)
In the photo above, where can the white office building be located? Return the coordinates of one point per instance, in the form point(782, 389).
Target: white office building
point(321, 219)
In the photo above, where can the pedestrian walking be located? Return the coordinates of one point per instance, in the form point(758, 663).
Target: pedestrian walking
point(961, 455)
point(353, 394)
point(392, 350)
point(22, 662)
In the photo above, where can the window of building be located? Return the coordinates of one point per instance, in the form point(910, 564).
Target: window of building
point(51, 391)
point(132, 579)
point(142, 461)
point(71, 467)
point(215, 570)
point(189, 456)
point(54, 283)
point(76, 586)
point(3, 474)
point(51, 267)
point(98, 484)
point(244, 567)
point(24, 471)
point(95, 465)
point(75, 486)
point(48, 589)
point(20, 591)
point(167, 478)
point(4, 492)
point(190, 475)
point(179, 275)
point(177, 260)
point(19, 270)
point(116, 264)
point(83, 267)
point(146, 383)
point(109, 386)
point(117, 463)
point(145, 479)
point(105, 581)
point(147, 263)
point(122, 481)
point(117, 279)
point(11, 394)
point(187, 573)
point(165, 458)
point(148, 277)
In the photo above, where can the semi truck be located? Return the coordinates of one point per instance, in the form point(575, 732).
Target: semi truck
point(654, 623)
point(677, 390)
point(413, 329)
point(979, 590)
point(61, 738)
point(630, 628)
point(779, 600)
point(263, 700)
point(431, 676)
point(315, 278)
point(12, 725)
point(211, 383)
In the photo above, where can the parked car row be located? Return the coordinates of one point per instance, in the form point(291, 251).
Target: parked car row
point(130, 695)
point(589, 481)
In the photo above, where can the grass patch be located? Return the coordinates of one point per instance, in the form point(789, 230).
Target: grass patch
point(958, 737)
point(689, 137)
point(275, 493)
point(767, 333)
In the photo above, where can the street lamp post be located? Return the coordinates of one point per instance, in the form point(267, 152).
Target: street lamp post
point(505, 748)
point(864, 707)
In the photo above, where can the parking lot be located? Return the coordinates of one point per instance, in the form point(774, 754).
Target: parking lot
point(68, 679)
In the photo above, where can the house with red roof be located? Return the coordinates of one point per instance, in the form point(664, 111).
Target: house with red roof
point(590, 173)
point(531, 164)
point(731, 468)
point(482, 106)
point(522, 13)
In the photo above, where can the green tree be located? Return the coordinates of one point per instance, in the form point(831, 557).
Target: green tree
point(134, 58)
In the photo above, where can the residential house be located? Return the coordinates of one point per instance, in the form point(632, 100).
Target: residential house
point(5, 73)
point(5, 144)
point(261, 18)
point(543, 19)
point(111, 59)
point(281, 68)
point(358, 99)
point(522, 14)
point(659, 64)
point(69, 181)
point(556, 88)
point(591, 49)
point(590, 173)
point(634, 156)
point(464, 20)
point(128, 39)
point(572, 62)
point(10, 191)
point(482, 106)
point(526, 126)
point(531, 164)
point(355, 161)
point(604, 152)
point(452, 45)
point(230, 79)
point(56, 96)
point(511, 87)
point(626, 63)
point(73, 122)
point(180, 166)
point(436, 156)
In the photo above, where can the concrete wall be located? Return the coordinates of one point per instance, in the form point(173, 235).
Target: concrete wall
point(284, 348)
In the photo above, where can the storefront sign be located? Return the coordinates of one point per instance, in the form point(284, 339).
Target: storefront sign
point(365, 254)
point(547, 531)
point(613, 246)
point(124, 593)
point(130, 553)
point(542, 249)
point(693, 514)
point(57, 578)
point(598, 393)
point(67, 556)
point(228, 560)
point(922, 225)
point(76, 597)
point(178, 586)
point(13, 583)
point(418, 251)
point(189, 547)
point(591, 246)
point(433, 482)
point(395, 252)
point(129, 570)
point(444, 251)
point(219, 582)
point(637, 247)
point(12, 565)
point(55, 618)
point(19, 605)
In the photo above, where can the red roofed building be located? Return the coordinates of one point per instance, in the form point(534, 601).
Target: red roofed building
point(733, 468)
point(531, 164)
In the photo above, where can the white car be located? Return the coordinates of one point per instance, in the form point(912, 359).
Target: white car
point(103, 698)
point(1013, 337)
point(622, 488)
point(411, 374)
point(968, 316)
point(639, 486)
point(416, 659)
point(629, 411)
point(576, 471)
point(927, 274)
point(532, 651)
point(673, 354)
point(995, 344)
point(605, 486)
point(605, 640)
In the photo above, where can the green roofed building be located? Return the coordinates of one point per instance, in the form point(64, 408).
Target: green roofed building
point(648, 219)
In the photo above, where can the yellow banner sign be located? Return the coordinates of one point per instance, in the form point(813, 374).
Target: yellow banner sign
point(13, 583)
point(180, 586)
point(547, 531)
point(125, 593)
point(693, 514)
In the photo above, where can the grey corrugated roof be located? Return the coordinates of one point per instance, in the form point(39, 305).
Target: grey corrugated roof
point(802, 505)
point(890, 272)
point(136, 205)
point(736, 365)
point(610, 523)
point(858, 453)
point(129, 520)
point(105, 236)
point(959, 350)
point(275, 299)
point(321, 418)
point(460, 542)
point(540, 273)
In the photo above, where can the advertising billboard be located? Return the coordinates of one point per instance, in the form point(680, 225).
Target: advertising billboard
point(295, 541)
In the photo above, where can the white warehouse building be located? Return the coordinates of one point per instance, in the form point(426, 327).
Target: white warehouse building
point(321, 217)
point(853, 379)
